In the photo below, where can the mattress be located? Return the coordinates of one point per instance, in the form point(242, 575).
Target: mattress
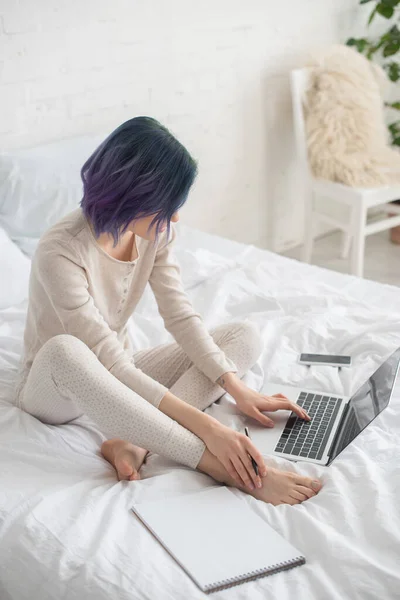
point(66, 530)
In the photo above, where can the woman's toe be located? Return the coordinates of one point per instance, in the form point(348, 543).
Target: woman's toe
point(125, 469)
point(308, 492)
point(292, 501)
point(313, 484)
point(298, 495)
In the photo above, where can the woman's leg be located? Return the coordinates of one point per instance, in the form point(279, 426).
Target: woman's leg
point(67, 380)
point(169, 364)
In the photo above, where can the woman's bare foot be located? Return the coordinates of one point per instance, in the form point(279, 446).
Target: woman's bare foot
point(124, 457)
point(278, 487)
point(284, 487)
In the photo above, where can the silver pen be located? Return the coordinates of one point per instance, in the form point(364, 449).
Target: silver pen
point(253, 462)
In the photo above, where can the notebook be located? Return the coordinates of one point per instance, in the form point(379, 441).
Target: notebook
point(217, 538)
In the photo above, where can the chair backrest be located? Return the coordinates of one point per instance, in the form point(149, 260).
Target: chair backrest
point(299, 83)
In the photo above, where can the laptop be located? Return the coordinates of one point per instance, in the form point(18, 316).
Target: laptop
point(335, 420)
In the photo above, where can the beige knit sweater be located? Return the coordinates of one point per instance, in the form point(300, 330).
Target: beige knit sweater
point(77, 288)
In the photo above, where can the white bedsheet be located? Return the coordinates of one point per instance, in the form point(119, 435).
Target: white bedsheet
point(66, 531)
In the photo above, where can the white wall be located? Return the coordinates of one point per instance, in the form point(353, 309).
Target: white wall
point(214, 71)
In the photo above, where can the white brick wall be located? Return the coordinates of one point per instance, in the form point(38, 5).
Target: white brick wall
point(214, 71)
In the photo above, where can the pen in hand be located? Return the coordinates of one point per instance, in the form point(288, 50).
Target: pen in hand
point(253, 462)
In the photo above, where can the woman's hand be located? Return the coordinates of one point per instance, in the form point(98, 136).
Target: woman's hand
point(252, 403)
point(232, 449)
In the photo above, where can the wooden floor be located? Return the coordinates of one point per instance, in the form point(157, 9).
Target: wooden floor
point(382, 258)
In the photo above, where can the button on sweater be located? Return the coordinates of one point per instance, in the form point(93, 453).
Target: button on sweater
point(77, 288)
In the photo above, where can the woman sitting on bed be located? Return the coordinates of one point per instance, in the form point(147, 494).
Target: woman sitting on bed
point(88, 274)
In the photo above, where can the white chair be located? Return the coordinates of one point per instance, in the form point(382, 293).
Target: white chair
point(337, 204)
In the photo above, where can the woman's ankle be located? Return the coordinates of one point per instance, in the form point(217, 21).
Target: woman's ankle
point(210, 465)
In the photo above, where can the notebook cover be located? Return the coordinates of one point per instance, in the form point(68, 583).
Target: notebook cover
point(217, 538)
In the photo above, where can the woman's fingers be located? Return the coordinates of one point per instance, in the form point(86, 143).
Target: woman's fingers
point(258, 415)
point(255, 479)
point(238, 464)
point(231, 470)
point(258, 457)
point(244, 474)
point(285, 403)
point(296, 409)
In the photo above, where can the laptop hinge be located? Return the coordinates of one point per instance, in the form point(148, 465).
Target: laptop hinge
point(342, 418)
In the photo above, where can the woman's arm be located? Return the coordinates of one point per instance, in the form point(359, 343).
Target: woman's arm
point(232, 448)
point(180, 318)
point(254, 404)
point(187, 415)
point(231, 383)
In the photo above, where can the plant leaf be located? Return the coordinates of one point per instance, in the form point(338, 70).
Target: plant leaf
point(391, 48)
point(361, 44)
point(392, 3)
point(394, 129)
point(395, 105)
point(393, 70)
point(385, 11)
point(372, 15)
point(365, 1)
point(373, 49)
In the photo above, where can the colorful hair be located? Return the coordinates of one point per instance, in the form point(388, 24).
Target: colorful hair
point(140, 169)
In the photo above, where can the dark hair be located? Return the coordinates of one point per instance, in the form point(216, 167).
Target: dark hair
point(138, 170)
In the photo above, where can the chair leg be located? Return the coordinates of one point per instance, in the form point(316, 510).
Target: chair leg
point(357, 254)
point(346, 243)
point(309, 240)
point(309, 231)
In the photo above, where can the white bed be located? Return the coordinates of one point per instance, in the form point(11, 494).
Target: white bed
point(66, 530)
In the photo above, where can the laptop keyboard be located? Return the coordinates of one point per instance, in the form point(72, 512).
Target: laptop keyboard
point(309, 438)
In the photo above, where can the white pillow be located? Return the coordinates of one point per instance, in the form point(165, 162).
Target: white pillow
point(39, 185)
point(14, 273)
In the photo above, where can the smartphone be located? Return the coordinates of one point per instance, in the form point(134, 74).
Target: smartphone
point(332, 360)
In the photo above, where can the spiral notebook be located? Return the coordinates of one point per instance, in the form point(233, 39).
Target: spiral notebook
point(217, 538)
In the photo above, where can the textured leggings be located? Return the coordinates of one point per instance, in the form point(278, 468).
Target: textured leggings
point(67, 380)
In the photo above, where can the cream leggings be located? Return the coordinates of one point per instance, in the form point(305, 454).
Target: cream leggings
point(67, 380)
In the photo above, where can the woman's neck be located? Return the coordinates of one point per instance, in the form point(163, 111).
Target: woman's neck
point(125, 250)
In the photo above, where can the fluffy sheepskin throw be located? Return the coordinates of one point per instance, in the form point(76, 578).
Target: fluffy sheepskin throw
point(348, 140)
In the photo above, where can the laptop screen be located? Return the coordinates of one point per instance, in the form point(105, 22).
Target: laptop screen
point(366, 403)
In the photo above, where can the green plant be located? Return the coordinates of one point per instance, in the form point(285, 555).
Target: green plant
point(388, 45)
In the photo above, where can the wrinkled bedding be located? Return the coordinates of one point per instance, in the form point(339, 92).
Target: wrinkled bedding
point(66, 531)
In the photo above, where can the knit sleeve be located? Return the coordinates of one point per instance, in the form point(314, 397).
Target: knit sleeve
point(180, 319)
point(60, 272)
